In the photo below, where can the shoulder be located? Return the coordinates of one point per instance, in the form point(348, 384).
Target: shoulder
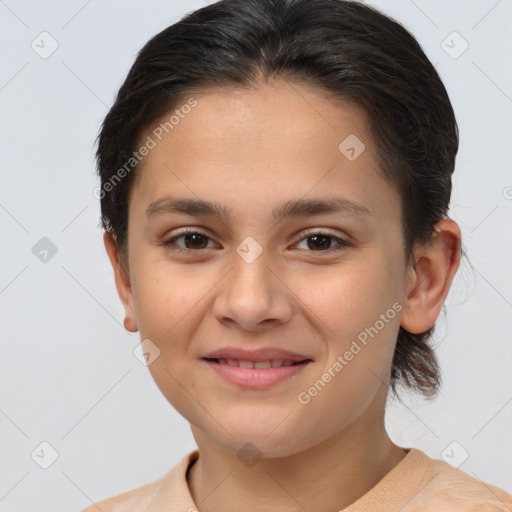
point(170, 491)
point(125, 501)
point(445, 487)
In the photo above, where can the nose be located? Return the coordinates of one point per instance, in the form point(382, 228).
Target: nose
point(253, 295)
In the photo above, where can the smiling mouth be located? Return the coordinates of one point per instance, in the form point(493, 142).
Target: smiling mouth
point(257, 365)
point(256, 375)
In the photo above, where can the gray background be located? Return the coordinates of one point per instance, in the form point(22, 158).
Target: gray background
point(68, 376)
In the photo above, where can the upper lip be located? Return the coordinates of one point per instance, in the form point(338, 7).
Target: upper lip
point(262, 354)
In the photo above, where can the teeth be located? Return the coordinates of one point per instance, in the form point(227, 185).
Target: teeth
point(263, 365)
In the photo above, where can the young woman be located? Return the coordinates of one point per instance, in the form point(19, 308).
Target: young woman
point(275, 182)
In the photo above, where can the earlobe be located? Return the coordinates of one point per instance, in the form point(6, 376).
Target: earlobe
point(122, 280)
point(432, 276)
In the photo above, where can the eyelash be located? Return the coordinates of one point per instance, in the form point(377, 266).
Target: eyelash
point(172, 246)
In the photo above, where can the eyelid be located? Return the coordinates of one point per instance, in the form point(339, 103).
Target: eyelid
point(342, 242)
point(321, 231)
point(169, 242)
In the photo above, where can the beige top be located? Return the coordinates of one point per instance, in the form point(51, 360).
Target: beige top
point(417, 483)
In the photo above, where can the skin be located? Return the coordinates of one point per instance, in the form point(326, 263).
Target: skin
point(251, 150)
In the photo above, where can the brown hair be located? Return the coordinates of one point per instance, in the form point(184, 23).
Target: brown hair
point(344, 47)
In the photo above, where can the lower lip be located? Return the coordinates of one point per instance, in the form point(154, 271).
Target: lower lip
point(255, 378)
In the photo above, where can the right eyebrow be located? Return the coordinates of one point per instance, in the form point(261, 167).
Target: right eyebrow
point(292, 208)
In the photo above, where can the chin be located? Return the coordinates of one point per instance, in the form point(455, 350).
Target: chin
point(269, 439)
point(259, 447)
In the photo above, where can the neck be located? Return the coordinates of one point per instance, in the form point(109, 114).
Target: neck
point(326, 477)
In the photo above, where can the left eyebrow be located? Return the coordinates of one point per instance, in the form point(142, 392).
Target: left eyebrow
point(292, 208)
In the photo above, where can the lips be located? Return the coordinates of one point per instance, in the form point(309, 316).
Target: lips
point(255, 378)
point(256, 369)
point(260, 365)
point(224, 355)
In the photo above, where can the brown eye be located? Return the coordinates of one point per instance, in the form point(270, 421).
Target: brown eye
point(321, 242)
point(193, 240)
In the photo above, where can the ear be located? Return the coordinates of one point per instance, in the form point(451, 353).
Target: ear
point(122, 279)
point(431, 277)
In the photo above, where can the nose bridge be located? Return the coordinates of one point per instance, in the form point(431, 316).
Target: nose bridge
point(250, 276)
point(252, 293)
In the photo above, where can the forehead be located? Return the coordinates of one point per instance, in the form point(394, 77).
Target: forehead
point(276, 112)
point(258, 143)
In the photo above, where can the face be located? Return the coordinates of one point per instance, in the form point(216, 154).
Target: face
point(321, 284)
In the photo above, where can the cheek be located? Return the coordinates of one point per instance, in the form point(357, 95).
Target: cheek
point(166, 297)
point(351, 297)
point(360, 320)
point(169, 302)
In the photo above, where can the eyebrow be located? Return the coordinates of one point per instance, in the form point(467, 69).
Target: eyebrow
point(292, 208)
